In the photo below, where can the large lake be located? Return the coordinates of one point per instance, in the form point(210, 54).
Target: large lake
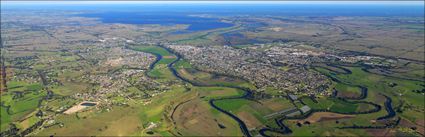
point(195, 23)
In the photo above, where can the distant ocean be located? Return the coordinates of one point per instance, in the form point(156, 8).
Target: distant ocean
point(232, 9)
point(169, 14)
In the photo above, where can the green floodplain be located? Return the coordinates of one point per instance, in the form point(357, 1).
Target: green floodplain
point(168, 112)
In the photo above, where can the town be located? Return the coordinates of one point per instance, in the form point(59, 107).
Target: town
point(138, 70)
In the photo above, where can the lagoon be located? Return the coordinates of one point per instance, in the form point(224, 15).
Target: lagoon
point(195, 23)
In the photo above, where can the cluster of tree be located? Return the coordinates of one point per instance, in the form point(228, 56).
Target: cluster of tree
point(363, 94)
point(391, 124)
point(419, 91)
point(12, 131)
point(32, 128)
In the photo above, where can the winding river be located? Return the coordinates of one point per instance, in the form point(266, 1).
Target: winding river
point(248, 92)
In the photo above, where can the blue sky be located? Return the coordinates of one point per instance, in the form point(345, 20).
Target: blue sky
point(221, 2)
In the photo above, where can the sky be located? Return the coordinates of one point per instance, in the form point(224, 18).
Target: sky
point(221, 2)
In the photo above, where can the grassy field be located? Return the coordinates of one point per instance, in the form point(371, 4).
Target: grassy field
point(186, 70)
point(253, 113)
point(136, 116)
point(195, 116)
point(399, 90)
point(378, 85)
point(327, 128)
point(323, 128)
point(345, 90)
point(336, 105)
point(161, 71)
point(20, 106)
